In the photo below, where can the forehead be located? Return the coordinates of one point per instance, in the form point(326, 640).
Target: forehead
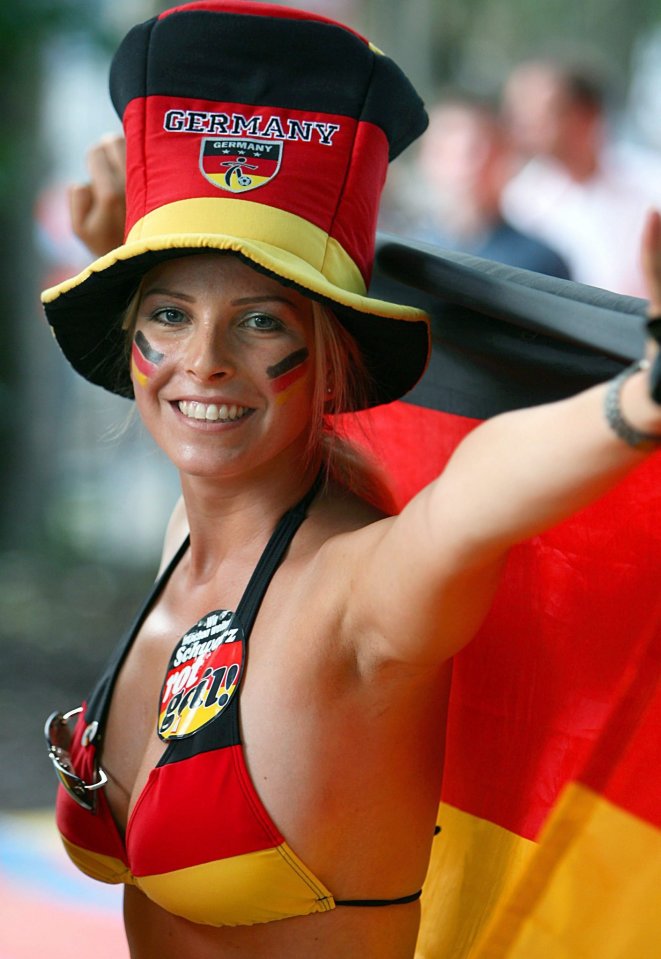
point(219, 275)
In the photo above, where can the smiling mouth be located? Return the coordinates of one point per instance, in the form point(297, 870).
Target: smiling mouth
point(212, 412)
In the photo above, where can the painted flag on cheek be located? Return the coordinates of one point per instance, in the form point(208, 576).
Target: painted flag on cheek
point(551, 802)
point(287, 375)
point(144, 358)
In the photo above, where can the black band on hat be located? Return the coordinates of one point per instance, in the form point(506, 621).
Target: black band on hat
point(170, 56)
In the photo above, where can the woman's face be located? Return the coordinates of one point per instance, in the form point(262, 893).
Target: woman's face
point(222, 365)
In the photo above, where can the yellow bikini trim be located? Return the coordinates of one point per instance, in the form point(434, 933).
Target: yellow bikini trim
point(96, 865)
point(260, 886)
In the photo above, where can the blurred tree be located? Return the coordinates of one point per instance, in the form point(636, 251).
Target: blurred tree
point(25, 29)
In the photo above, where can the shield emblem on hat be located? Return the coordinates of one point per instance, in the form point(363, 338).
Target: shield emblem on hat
point(239, 164)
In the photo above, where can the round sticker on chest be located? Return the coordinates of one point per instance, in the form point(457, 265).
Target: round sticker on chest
point(202, 675)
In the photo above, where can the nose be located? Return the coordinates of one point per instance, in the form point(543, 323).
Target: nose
point(208, 354)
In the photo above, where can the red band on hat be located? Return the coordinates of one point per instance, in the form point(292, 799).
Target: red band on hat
point(341, 199)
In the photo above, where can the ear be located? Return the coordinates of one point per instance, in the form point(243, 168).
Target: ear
point(329, 396)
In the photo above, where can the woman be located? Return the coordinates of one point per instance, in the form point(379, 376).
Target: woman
point(281, 802)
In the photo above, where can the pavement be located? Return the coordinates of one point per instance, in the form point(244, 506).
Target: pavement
point(49, 910)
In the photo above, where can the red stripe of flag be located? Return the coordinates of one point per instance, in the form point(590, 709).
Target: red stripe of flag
point(143, 365)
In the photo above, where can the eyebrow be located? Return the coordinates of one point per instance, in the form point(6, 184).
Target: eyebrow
point(239, 301)
point(164, 291)
point(267, 298)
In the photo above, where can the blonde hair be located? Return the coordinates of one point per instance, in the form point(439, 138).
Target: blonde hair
point(341, 383)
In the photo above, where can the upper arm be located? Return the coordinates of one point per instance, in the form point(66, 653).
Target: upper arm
point(426, 578)
point(418, 591)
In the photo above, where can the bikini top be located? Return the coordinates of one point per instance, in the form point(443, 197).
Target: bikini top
point(199, 841)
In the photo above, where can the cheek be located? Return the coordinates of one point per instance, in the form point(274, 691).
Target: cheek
point(289, 375)
point(145, 360)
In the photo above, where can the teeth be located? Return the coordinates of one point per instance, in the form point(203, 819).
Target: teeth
point(211, 411)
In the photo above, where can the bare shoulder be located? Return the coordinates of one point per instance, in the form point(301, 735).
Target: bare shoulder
point(342, 522)
point(344, 512)
point(341, 532)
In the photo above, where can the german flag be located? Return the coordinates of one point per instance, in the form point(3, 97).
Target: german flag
point(591, 888)
point(551, 803)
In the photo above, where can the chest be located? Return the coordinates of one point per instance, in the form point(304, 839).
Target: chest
point(283, 662)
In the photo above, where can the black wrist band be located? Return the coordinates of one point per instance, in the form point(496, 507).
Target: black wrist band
point(654, 330)
point(644, 442)
point(654, 327)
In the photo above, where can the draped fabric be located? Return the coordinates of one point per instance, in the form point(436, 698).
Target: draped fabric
point(551, 803)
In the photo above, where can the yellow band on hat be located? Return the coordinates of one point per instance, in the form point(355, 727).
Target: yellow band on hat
point(254, 222)
point(283, 243)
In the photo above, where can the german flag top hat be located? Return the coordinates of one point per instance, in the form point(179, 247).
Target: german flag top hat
point(266, 132)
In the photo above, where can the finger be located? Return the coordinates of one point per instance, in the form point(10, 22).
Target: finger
point(98, 224)
point(115, 147)
point(106, 169)
point(651, 260)
point(80, 203)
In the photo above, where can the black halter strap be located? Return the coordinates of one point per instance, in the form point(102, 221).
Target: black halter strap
point(225, 730)
point(271, 558)
point(98, 702)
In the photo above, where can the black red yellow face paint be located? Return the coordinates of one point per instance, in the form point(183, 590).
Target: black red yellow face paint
point(284, 375)
point(144, 358)
point(288, 373)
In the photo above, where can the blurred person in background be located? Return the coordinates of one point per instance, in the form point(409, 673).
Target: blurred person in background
point(573, 190)
point(465, 159)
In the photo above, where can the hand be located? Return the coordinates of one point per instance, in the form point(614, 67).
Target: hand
point(98, 208)
point(651, 263)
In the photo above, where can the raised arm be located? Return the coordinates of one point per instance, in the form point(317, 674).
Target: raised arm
point(435, 567)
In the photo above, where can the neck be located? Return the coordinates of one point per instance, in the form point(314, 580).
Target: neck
point(581, 166)
point(239, 512)
point(580, 154)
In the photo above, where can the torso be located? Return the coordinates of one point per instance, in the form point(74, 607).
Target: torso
point(309, 711)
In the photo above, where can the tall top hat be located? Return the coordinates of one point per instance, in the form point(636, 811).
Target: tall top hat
point(266, 132)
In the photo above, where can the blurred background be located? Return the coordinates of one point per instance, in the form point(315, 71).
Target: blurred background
point(84, 494)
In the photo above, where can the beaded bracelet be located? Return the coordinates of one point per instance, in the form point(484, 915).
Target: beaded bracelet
point(645, 442)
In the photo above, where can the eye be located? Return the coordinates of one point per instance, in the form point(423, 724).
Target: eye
point(168, 316)
point(263, 322)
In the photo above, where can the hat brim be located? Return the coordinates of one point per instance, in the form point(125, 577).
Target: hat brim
point(85, 311)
